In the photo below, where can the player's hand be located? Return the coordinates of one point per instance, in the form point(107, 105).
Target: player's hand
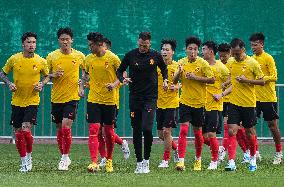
point(12, 87)
point(38, 86)
point(165, 84)
point(180, 68)
point(173, 87)
point(217, 97)
point(190, 76)
point(81, 92)
point(110, 86)
point(126, 81)
point(241, 79)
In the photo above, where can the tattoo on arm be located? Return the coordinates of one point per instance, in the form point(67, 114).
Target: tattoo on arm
point(4, 77)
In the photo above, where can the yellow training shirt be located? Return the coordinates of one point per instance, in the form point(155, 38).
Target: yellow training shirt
point(26, 73)
point(266, 93)
point(243, 94)
point(221, 74)
point(102, 70)
point(65, 88)
point(193, 92)
point(167, 98)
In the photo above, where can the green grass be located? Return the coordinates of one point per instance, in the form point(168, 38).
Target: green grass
point(46, 158)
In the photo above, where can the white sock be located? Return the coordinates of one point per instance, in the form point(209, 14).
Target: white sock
point(181, 159)
point(65, 156)
point(29, 155)
point(23, 159)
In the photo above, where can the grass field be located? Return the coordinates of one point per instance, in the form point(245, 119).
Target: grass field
point(46, 158)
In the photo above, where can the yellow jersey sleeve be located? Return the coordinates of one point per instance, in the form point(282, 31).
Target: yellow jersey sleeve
point(9, 65)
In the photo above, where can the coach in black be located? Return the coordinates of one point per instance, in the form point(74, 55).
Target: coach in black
point(143, 87)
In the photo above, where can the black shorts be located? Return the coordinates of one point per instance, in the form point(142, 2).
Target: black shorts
point(166, 118)
point(64, 110)
point(190, 114)
point(220, 124)
point(268, 109)
point(225, 109)
point(116, 117)
point(238, 114)
point(100, 113)
point(211, 123)
point(23, 114)
point(142, 113)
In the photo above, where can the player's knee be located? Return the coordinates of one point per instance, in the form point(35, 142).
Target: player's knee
point(183, 130)
point(161, 134)
point(26, 126)
point(94, 129)
point(167, 132)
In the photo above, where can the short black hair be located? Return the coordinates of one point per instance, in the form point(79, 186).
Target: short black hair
point(65, 30)
point(145, 36)
point(95, 37)
point(224, 47)
point(257, 36)
point(171, 42)
point(211, 45)
point(237, 42)
point(192, 40)
point(28, 34)
point(107, 42)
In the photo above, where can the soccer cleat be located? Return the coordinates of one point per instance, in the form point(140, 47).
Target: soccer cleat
point(103, 162)
point(176, 159)
point(29, 164)
point(252, 164)
point(64, 164)
point(125, 149)
point(139, 168)
point(213, 165)
point(164, 164)
point(93, 167)
point(23, 168)
point(197, 165)
point(109, 167)
point(231, 166)
point(145, 166)
point(277, 158)
point(180, 166)
point(221, 154)
point(246, 157)
point(258, 156)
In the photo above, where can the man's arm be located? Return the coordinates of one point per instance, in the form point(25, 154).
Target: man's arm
point(6, 80)
point(243, 79)
point(192, 76)
point(120, 71)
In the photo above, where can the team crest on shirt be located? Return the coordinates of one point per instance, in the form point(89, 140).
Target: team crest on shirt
point(244, 68)
point(35, 67)
point(74, 62)
point(197, 69)
point(152, 61)
point(106, 64)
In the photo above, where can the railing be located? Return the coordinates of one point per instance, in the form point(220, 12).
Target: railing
point(45, 128)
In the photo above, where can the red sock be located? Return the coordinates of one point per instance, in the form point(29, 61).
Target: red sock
point(226, 136)
point(102, 146)
point(252, 140)
point(207, 141)
point(59, 136)
point(29, 141)
point(93, 142)
point(278, 147)
point(182, 143)
point(198, 142)
point(167, 154)
point(232, 147)
point(66, 140)
point(21, 143)
point(214, 146)
point(174, 145)
point(117, 139)
point(109, 138)
point(241, 138)
point(256, 143)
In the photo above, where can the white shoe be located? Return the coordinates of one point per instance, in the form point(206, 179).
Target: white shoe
point(221, 154)
point(258, 156)
point(125, 149)
point(213, 165)
point(64, 164)
point(231, 166)
point(176, 159)
point(246, 157)
point(164, 164)
point(146, 166)
point(103, 162)
point(29, 164)
point(252, 164)
point(139, 168)
point(23, 168)
point(277, 158)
